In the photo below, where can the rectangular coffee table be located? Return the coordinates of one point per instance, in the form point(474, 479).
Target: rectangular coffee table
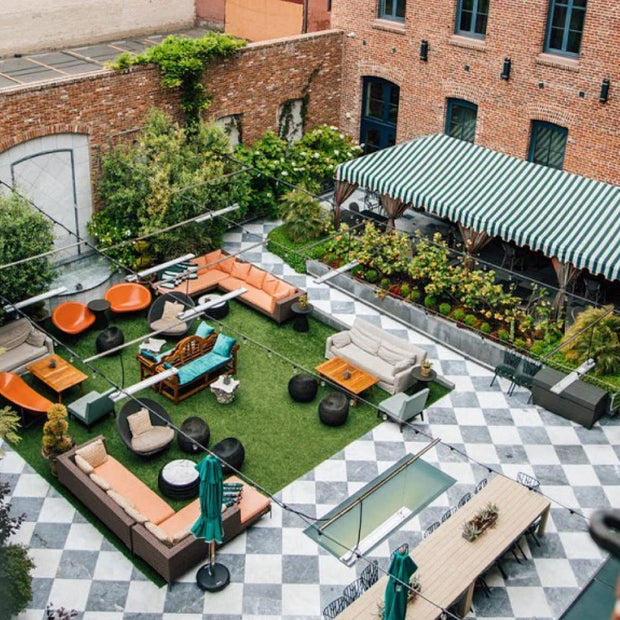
point(60, 378)
point(360, 380)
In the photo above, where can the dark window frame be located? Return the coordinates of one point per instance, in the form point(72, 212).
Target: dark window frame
point(384, 123)
point(462, 103)
point(393, 15)
point(472, 31)
point(534, 137)
point(570, 7)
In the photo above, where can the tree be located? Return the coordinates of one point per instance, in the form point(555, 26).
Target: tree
point(24, 232)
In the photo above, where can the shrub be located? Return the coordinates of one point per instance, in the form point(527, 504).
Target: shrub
point(445, 309)
point(485, 328)
point(470, 320)
point(384, 283)
point(415, 295)
point(9, 425)
point(538, 347)
point(371, 276)
point(503, 335)
point(459, 314)
point(430, 301)
point(304, 216)
point(405, 289)
point(519, 343)
point(24, 232)
point(55, 439)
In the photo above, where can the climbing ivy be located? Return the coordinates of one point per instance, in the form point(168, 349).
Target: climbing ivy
point(181, 62)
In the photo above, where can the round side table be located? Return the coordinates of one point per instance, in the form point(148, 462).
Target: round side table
point(100, 308)
point(416, 373)
point(217, 312)
point(179, 479)
point(301, 323)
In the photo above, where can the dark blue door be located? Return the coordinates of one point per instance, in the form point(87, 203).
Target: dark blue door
point(379, 114)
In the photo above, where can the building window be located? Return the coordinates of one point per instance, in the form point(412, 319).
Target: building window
point(461, 119)
point(565, 27)
point(379, 114)
point(392, 9)
point(471, 18)
point(548, 144)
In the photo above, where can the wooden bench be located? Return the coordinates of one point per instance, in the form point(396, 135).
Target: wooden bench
point(187, 350)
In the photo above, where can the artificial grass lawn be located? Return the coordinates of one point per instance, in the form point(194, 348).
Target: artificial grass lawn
point(282, 439)
point(292, 253)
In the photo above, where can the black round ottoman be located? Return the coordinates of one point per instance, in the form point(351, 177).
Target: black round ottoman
point(109, 338)
point(198, 431)
point(303, 387)
point(334, 409)
point(230, 451)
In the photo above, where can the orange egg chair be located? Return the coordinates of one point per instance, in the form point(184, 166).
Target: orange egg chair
point(72, 317)
point(18, 392)
point(128, 297)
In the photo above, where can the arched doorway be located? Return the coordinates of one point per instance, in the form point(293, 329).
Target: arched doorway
point(379, 114)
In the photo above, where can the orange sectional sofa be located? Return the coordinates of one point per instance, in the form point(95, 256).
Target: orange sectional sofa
point(145, 522)
point(265, 293)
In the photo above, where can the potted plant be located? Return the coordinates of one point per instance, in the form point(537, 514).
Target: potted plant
point(415, 585)
point(55, 438)
point(482, 520)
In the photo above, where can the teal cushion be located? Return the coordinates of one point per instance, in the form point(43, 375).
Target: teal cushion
point(200, 366)
point(224, 345)
point(204, 329)
point(155, 357)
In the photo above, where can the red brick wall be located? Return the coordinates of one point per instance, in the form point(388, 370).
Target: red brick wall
point(319, 18)
point(505, 108)
point(253, 84)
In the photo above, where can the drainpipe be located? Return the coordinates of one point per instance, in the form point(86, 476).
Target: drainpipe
point(304, 26)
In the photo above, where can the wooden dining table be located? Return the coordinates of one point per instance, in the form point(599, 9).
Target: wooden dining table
point(448, 565)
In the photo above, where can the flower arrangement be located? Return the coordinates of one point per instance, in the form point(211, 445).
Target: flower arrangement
point(484, 519)
point(425, 368)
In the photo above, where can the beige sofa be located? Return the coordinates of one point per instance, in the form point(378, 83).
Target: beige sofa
point(22, 344)
point(387, 357)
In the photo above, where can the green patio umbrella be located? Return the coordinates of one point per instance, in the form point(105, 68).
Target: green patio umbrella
point(400, 570)
point(211, 577)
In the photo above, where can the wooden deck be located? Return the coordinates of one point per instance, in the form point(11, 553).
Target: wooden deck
point(448, 565)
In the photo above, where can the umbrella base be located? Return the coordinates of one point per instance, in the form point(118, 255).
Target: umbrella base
point(213, 577)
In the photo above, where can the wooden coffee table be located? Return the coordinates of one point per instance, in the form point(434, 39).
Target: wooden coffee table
point(360, 380)
point(60, 378)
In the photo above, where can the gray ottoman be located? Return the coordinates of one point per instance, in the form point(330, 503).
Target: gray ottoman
point(334, 409)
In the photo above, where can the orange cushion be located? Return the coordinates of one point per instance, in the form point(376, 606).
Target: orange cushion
point(255, 277)
point(252, 502)
point(211, 257)
point(285, 288)
point(15, 389)
point(259, 299)
point(180, 521)
point(232, 284)
point(227, 265)
point(270, 284)
point(126, 484)
point(240, 270)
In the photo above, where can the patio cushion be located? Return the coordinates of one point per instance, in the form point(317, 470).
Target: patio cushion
point(223, 345)
point(139, 422)
point(370, 345)
point(14, 333)
point(36, 338)
point(284, 290)
point(270, 284)
point(94, 454)
point(156, 438)
point(368, 362)
point(209, 258)
point(232, 284)
point(255, 277)
point(137, 493)
point(19, 356)
point(240, 270)
point(136, 515)
point(252, 502)
point(182, 520)
point(200, 366)
point(171, 326)
point(158, 532)
point(204, 330)
point(403, 365)
point(259, 298)
point(341, 339)
point(100, 481)
point(120, 499)
point(83, 464)
point(393, 354)
point(226, 265)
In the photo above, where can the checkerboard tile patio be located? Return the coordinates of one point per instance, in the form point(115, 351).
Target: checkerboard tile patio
point(277, 572)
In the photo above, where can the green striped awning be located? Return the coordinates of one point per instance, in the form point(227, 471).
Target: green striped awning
point(564, 215)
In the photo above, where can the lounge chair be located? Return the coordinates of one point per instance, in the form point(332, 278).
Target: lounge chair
point(91, 407)
point(72, 317)
point(18, 392)
point(128, 297)
point(163, 314)
point(161, 435)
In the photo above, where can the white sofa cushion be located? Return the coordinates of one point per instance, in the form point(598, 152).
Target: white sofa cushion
point(341, 339)
point(370, 363)
point(363, 341)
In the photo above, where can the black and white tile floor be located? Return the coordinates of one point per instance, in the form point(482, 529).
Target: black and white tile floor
point(277, 572)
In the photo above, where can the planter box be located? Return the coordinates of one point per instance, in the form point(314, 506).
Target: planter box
point(460, 339)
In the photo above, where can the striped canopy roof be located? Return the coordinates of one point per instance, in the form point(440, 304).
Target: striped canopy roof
point(564, 215)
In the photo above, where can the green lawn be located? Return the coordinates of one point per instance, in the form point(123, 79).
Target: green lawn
point(294, 254)
point(282, 439)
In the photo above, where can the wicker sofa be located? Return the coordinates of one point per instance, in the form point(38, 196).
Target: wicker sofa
point(218, 270)
point(171, 550)
point(387, 357)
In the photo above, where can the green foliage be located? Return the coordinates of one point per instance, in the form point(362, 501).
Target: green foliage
point(459, 314)
point(9, 425)
point(163, 179)
point(445, 309)
point(485, 328)
point(503, 335)
point(24, 232)
point(519, 343)
point(405, 289)
point(304, 217)
point(430, 301)
point(470, 320)
point(292, 253)
point(307, 162)
point(371, 276)
point(384, 284)
point(598, 340)
point(181, 61)
point(538, 347)
point(415, 295)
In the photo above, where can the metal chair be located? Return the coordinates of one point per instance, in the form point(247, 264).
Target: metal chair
point(525, 377)
point(508, 368)
point(528, 481)
point(446, 515)
point(515, 259)
point(464, 500)
point(353, 591)
point(431, 528)
point(480, 485)
point(336, 607)
point(370, 575)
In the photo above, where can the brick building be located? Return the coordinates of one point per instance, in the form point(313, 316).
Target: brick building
point(525, 78)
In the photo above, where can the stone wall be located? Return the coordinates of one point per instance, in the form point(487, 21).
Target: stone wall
point(541, 87)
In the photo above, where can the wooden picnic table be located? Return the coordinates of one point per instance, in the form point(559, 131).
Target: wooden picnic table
point(448, 565)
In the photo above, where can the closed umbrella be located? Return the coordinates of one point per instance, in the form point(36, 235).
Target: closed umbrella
point(212, 577)
point(400, 571)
